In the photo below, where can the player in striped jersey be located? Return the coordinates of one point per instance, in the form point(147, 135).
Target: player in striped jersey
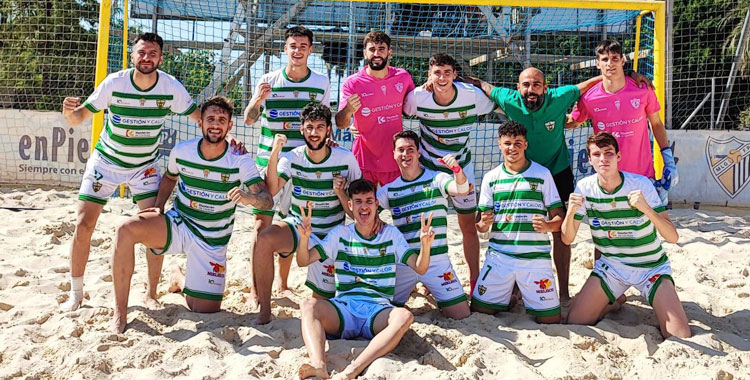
point(447, 112)
point(365, 273)
point(138, 100)
point(318, 174)
point(279, 97)
point(202, 218)
point(624, 212)
point(515, 200)
point(420, 190)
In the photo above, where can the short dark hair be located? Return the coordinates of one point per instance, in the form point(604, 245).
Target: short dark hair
point(602, 139)
point(608, 46)
point(511, 128)
point(441, 59)
point(410, 135)
point(218, 101)
point(377, 37)
point(150, 37)
point(361, 186)
point(315, 111)
point(299, 31)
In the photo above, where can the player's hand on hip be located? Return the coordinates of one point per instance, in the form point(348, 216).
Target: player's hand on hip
point(637, 200)
point(70, 104)
point(426, 233)
point(278, 142)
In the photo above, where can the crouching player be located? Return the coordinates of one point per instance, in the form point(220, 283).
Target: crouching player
point(365, 277)
point(201, 220)
point(516, 200)
point(624, 212)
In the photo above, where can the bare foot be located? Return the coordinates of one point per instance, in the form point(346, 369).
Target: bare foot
point(252, 303)
point(152, 303)
point(176, 280)
point(622, 299)
point(307, 371)
point(348, 373)
point(118, 323)
point(263, 318)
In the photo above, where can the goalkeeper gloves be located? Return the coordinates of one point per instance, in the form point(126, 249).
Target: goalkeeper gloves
point(670, 177)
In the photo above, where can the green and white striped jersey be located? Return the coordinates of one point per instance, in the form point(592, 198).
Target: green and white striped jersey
point(407, 200)
point(365, 268)
point(202, 189)
point(620, 232)
point(515, 199)
point(130, 137)
point(446, 129)
point(313, 182)
point(281, 110)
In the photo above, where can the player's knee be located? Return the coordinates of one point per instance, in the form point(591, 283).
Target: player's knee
point(575, 317)
point(307, 307)
point(126, 232)
point(85, 224)
point(549, 319)
point(680, 330)
point(401, 317)
point(458, 312)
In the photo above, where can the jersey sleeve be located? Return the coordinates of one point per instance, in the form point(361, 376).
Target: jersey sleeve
point(326, 101)
point(549, 192)
point(500, 96)
point(652, 103)
point(410, 105)
point(483, 103)
point(403, 251)
point(248, 171)
point(652, 197)
point(100, 98)
point(580, 112)
point(327, 247)
point(172, 169)
point(442, 180)
point(346, 92)
point(409, 84)
point(382, 196)
point(568, 94)
point(581, 212)
point(284, 166)
point(183, 103)
point(485, 195)
point(354, 171)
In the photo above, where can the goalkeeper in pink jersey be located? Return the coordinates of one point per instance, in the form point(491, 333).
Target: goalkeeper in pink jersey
point(618, 106)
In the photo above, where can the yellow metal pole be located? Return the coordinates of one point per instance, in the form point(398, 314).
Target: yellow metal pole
point(635, 5)
point(660, 74)
point(102, 44)
point(124, 57)
point(637, 48)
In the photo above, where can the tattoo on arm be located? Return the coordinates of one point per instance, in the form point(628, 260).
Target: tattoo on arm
point(253, 114)
point(260, 197)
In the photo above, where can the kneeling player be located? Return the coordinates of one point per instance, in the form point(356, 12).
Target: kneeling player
point(365, 276)
point(200, 223)
point(624, 212)
point(516, 199)
point(417, 191)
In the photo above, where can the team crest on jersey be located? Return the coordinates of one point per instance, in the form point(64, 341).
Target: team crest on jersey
point(441, 140)
point(462, 114)
point(617, 104)
point(318, 174)
point(383, 88)
point(533, 186)
point(635, 102)
point(399, 87)
point(160, 103)
point(427, 189)
point(96, 186)
point(382, 252)
point(729, 162)
point(550, 125)
point(337, 173)
point(206, 172)
point(482, 290)
point(613, 203)
point(224, 177)
point(446, 114)
point(296, 94)
point(142, 101)
point(313, 96)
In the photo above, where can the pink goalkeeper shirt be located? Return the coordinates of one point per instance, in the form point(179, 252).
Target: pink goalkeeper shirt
point(379, 117)
point(624, 114)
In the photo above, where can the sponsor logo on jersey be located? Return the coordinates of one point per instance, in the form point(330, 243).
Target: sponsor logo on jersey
point(201, 193)
point(135, 121)
point(635, 102)
point(148, 173)
point(298, 190)
point(161, 103)
point(381, 119)
point(414, 206)
point(286, 125)
point(545, 286)
point(132, 133)
point(366, 94)
point(600, 125)
point(97, 175)
point(654, 278)
point(599, 222)
point(448, 278)
point(482, 289)
point(274, 113)
point(620, 234)
point(328, 270)
point(365, 111)
point(550, 125)
point(217, 270)
point(600, 109)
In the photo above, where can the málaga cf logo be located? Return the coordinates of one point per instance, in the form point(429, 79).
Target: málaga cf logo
point(729, 162)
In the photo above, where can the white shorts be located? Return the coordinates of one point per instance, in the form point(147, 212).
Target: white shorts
point(281, 201)
point(440, 279)
point(616, 278)
point(467, 204)
point(356, 317)
point(102, 178)
point(495, 285)
point(206, 265)
point(320, 275)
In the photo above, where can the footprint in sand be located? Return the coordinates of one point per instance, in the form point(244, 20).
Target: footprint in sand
point(21, 272)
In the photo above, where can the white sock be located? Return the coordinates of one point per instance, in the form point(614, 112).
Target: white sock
point(76, 295)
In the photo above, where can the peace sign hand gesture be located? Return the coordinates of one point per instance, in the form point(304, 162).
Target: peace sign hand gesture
point(304, 228)
point(426, 233)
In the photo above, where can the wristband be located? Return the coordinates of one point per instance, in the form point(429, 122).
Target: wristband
point(462, 188)
point(454, 169)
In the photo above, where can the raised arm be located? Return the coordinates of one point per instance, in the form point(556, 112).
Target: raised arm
point(459, 185)
point(570, 225)
point(273, 181)
point(74, 111)
point(661, 220)
point(306, 256)
point(252, 111)
point(421, 262)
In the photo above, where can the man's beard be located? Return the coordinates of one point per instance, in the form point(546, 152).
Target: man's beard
point(145, 71)
point(320, 145)
point(533, 106)
point(212, 139)
point(377, 67)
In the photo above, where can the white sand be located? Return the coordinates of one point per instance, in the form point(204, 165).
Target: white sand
point(711, 265)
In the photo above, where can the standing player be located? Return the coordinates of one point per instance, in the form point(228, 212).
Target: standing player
point(515, 201)
point(447, 113)
point(375, 97)
point(543, 111)
point(624, 212)
point(318, 174)
point(618, 106)
point(201, 220)
point(279, 97)
point(138, 101)
point(365, 273)
point(418, 191)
